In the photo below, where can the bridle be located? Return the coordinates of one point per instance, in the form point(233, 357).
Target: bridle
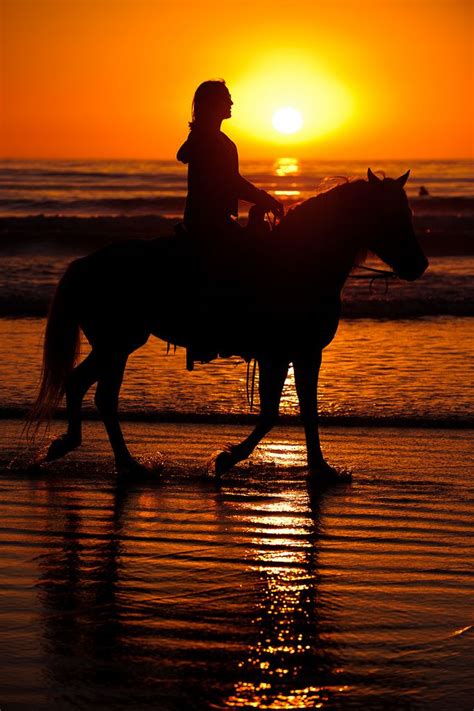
point(379, 273)
point(373, 275)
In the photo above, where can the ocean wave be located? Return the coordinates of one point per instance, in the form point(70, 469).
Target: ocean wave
point(104, 206)
point(430, 216)
point(35, 302)
point(13, 191)
point(35, 251)
point(39, 174)
point(121, 187)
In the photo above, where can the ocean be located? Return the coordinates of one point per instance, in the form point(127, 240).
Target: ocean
point(403, 349)
point(91, 188)
point(258, 591)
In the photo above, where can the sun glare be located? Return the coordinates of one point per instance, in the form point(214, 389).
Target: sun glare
point(287, 120)
point(292, 96)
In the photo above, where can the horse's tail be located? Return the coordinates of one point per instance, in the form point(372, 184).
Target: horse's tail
point(60, 351)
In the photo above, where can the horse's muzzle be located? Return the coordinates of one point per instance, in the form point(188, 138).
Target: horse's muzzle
point(413, 270)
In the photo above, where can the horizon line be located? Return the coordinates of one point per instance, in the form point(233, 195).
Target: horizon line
point(174, 160)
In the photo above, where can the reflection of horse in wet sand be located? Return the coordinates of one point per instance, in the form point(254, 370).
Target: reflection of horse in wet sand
point(287, 311)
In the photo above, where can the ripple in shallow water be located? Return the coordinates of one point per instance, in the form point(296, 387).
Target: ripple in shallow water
point(253, 593)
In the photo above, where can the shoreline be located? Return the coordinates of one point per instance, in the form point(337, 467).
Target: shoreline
point(239, 419)
point(194, 441)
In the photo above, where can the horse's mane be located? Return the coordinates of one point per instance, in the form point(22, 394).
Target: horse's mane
point(327, 209)
point(325, 200)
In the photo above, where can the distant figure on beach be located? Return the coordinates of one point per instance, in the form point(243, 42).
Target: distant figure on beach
point(423, 192)
point(214, 182)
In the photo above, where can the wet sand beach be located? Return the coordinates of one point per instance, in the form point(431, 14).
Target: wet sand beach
point(256, 592)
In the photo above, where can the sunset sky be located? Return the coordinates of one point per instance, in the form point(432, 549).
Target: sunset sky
point(115, 78)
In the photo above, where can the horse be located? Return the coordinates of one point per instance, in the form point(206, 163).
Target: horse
point(123, 293)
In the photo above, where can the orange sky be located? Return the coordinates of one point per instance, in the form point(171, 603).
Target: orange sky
point(115, 78)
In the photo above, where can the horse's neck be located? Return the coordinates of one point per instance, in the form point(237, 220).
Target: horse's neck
point(341, 229)
point(332, 271)
point(324, 253)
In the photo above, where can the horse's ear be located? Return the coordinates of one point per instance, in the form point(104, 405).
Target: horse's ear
point(403, 178)
point(372, 178)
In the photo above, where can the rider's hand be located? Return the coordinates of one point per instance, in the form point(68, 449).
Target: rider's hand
point(273, 205)
point(278, 209)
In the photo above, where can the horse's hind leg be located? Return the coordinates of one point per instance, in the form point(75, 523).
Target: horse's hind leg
point(272, 376)
point(78, 383)
point(81, 379)
point(111, 369)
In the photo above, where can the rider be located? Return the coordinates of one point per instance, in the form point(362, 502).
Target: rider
point(214, 189)
point(214, 182)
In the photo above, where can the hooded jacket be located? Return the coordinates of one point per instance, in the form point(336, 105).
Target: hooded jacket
point(214, 182)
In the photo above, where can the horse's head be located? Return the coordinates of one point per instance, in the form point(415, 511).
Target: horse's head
point(392, 236)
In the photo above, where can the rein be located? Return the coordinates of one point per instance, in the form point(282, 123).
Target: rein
point(374, 274)
point(250, 385)
point(382, 273)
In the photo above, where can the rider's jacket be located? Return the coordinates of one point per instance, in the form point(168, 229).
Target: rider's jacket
point(214, 182)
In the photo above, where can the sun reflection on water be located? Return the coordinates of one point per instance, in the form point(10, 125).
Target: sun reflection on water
point(284, 453)
point(289, 193)
point(287, 166)
point(288, 666)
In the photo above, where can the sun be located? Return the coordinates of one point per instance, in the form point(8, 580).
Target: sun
point(288, 101)
point(287, 120)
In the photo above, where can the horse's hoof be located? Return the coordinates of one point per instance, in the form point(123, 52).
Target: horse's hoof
point(324, 475)
point(222, 462)
point(133, 470)
point(61, 446)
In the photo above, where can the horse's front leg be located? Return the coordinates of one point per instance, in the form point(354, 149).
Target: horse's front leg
point(306, 371)
point(272, 376)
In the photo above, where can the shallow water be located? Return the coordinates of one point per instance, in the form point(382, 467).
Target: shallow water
point(255, 593)
point(405, 370)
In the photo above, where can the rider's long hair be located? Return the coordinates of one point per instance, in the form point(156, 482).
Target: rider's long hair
point(205, 98)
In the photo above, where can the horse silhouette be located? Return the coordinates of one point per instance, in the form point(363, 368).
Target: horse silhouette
point(287, 311)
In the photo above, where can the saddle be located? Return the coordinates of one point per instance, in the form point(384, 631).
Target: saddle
point(221, 294)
